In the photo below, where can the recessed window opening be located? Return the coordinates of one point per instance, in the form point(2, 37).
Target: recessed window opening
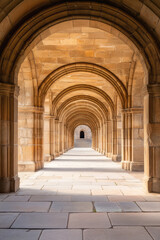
point(81, 134)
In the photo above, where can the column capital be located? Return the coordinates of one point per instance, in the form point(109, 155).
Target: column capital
point(132, 110)
point(153, 89)
point(49, 116)
point(31, 109)
point(9, 89)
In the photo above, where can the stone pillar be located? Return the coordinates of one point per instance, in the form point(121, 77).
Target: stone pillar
point(132, 141)
point(104, 139)
point(38, 138)
point(65, 138)
point(9, 180)
point(56, 137)
point(119, 127)
point(115, 148)
point(52, 132)
point(31, 138)
point(109, 138)
point(97, 138)
point(60, 138)
point(152, 138)
point(94, 139)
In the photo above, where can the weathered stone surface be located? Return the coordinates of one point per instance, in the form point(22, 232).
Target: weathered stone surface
point(41, 220)
point(135, 219)
point(12, 234)
point(71, 207)
point(65, 234)
point(121, 233)
point(24, 206)
point(88, 220)
point(6, 219)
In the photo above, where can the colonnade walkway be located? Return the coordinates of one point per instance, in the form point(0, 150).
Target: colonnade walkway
point(81, 195)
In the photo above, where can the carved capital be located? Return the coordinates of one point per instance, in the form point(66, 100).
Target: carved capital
point(9, 90)
point(153, 89)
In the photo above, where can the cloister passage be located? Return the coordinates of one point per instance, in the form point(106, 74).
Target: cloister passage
point(79, 74)
point(69, 63)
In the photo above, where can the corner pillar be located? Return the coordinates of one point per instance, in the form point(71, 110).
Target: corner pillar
point(9, 180)
point(152, 138)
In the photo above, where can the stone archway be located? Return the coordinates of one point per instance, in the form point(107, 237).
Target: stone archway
point(13, 48)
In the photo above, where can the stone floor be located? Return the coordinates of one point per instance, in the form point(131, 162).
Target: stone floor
point(82, 195)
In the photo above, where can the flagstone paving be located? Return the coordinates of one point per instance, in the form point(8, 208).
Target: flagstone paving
point(81, 195)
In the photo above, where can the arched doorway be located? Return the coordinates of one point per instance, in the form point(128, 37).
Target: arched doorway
point(82, 134)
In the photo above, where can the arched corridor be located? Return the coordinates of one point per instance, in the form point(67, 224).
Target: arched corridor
point(68, 70)
point(61, 96)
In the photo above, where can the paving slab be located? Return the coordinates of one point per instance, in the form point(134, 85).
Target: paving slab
point(41, 220)
point(3, 196)
point(149, 206)
point(64, 234)
point(12, 234)
point(135, 219)
point(89, 198)
point(24, 206)
point(88, 220)
point(71, 207)
point(17, 199)
point(6, 219)
point(106, 207)
point(129, 207)
point(154, 232)
point(125, 198)
point(49, 198)
point(121, 233)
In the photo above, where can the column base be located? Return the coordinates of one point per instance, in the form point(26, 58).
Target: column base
point(152, 185)
point(116, 158)
point(132, 166)
point(48, 158)
point(30, 166)
point(9, 185)
point(109, 155)
point(57, 155)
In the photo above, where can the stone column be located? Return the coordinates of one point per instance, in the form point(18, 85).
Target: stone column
point(9, 180)
point(56, 137)
point(31, 124)
point(115, 148)
point(109, 138)
point(94, 139)
point(65, 138)
point(152, 138)
point(60, 138)
point(52, 136)
point(104, 139)
point(132, 142)
point(38, 138)
point(97, 138)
